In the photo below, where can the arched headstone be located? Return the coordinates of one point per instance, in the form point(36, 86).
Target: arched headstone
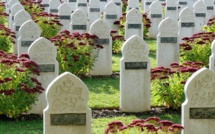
point(45, 3)
point(133, 24)
point(182, 4)
point(44, 53)
point(14, 9)
point(209, 9)
point(133, 4)
point(79, 21)
point(102, 4)
point(28, 33)
point(172, 9)
point(167, 43)
point(135, 76)
point(103, 64)
point(67, 111)
point(155, 16)
point(111, 15)
point(10, 4)
point(119, 7)
point(53, 6)
point(198, 108)
point(82, 4)
point(147, 3)
point(64, 12)
point(94, 11)
point(72, 4)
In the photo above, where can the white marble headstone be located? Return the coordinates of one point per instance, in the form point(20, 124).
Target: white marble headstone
point(133, 24)
point(10, 4)
point(103, 64)
point(67, 111)
point(155, 16)
point(147, 3)
point(209, 9)
point(200, 15)
point(186, 23)
point(14, 9)
point(44, 53)
point(82, 4)
point(111, 15)
point(119, 7)
point(72, 4)
point(198, 110)
point(53, 6)
point(79, 21)
point(135, 76)
point(102, 4)
point(172, 9)
point(28, 33)
point(212, 57)
point(182, 4)
point(94, 11)
point(64, 12)
point(45, 3)
point(167, 43)
point(133, 4)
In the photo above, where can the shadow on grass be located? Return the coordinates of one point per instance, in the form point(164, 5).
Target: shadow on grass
point(102, 85)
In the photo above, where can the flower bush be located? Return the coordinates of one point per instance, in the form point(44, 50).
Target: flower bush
point(32, 6)
point(168, 83)
point(49, 24)
point(6, 38)
point(3, 15)
point(210, 27)
point(197, 47)
point(151, 125)
point(18, 87)
point(76, 52)
point(121, 24)
point(117, 43)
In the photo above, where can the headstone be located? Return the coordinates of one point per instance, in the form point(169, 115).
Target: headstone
point(53, 6)
point(14, 9)
point(19, 18)
point(72, 4)
point(171, 9)
point(155, 16)
point(212, 57)
point(147, 3)
point(133, 24)
point(79, 21)
point(133, 4)
point(209, 9)
point(67, 111)
point(200, 15)
point(182, 4)
point(10, 4)
point(45, 3)
point(167, 43)
point(82, 4)
point(103, 64)
point(135, 76)
point(198, 110)
point(186, 23)
point(119, 7)
point(44, 53)
point(28, 33)
point(111, 15)
point(94, 11)
point(102, 4)
point(65, 12)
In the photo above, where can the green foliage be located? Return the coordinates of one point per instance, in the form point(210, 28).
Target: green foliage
point(18, 87)
point(168, 83)
point(117, 43)
point(210, 27)
point(32, 7)
point(197, 48)
point(49, 24)
point(76, 52)
point(6, 38)
point(151, 125)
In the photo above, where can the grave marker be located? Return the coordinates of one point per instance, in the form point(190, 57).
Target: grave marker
point(155, 16)
point(28, 33)
point(72, 4)
point(135, 76)
point(209, 8)
point(119, 7)
point(103, 64)
point(133, 24)
point(186, 23)
point(172, 9)
point(79, 22)
point(133, 4)
point(44, 53)
point(102, 5)
point(45, 3)
point(53, 6)
point(65, 12)
point(198, 109)
point(167, 43)
point(147, 3)
point(82, 4)
point(14, 9)
point(111, 15)
point(94, 12)
point(67, 111)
